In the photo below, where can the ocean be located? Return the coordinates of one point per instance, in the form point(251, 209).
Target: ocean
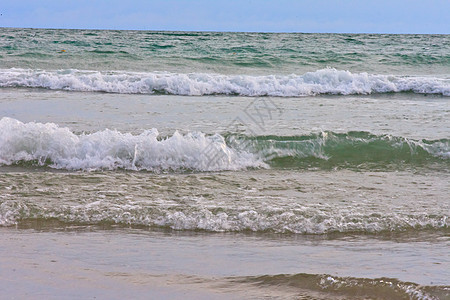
point(220, 165)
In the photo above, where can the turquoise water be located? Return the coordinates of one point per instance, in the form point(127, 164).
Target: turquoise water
point(224, 53)
point(307, 149)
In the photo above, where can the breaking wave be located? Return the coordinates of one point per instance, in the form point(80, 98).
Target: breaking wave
point(49, 145)
point(324, 81)
point(306, 219)
point(58, 147)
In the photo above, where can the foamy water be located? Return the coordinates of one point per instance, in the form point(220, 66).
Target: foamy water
point(49, 144)
point(57, 147)
point(325, 81)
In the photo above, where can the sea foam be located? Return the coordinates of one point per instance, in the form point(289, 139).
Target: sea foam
point(223, 217)
point(58, 147)
point(325, 81)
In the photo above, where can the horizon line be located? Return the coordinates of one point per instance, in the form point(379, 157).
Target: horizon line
point(223, 31)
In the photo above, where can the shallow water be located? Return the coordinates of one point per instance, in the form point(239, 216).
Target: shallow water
point(85, 261)
point(312, 202)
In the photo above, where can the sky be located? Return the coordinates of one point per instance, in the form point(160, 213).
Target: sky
point(345, 16)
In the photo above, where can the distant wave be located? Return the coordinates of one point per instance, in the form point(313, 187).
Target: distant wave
point(49, 145)
point(325, 81)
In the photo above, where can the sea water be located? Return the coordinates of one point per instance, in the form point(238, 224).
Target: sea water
point(224, 165)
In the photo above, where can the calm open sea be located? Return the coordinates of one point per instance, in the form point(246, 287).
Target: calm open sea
point(211, 165)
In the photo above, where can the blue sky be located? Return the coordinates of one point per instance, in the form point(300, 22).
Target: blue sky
point(377, 16)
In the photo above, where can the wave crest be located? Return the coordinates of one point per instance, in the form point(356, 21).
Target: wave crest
point(325, 81)
point(58, 147)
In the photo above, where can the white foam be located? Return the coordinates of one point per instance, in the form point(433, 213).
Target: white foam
point(325, 81)
point(62, 149)
point(301, 220)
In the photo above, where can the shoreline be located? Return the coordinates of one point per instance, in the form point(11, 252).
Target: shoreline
point(136, 263)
